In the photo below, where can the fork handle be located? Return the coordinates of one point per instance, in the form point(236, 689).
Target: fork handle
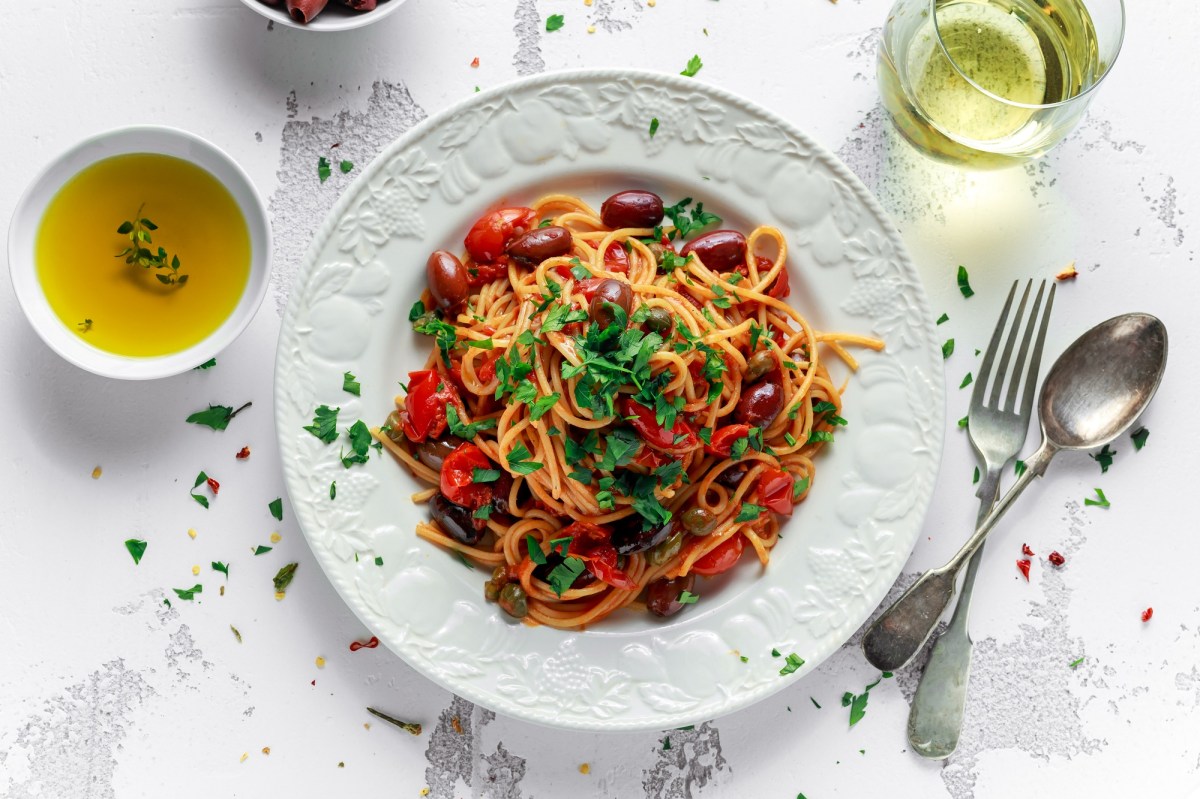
point(935, 719)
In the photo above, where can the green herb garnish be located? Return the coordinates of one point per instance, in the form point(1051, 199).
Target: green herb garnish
point(1139, 437)
point(188, 594)
point(749, 512)
point(942, 319)
point(210, 363)
point(966, 381)
point(360, 442)
point(1102, 502)
point(200, 479)
point(554, 22)
point(223, 568)
point(542, 405)
point(964, 283)
point(136, 549)
point(693, 66)
point(794, 662)
point(333, 490)
point(519, 463)
point(1075, 663)
point(283, 577)
point(563, 575)
point(346, 166)
point(1019, 468)
point(378, 560)
point(351, 385)
point(276, 508)
point(216, 416)
point(324, 425)
point(323, 169)
point(535, 550)
point(653, 126)
point(688, 598)
point(947, 348)
point(975, 479)
point(138, 232)
point(466, 431)
point(691, 222)
point(262, 550)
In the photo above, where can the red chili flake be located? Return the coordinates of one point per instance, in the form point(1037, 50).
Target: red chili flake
point(314, 682)
point(1023, 565)
point(371, 644)
point(475, 63)
point(243, 453)
point(1147, 614)
point(1057, 559)
point(214, 486)
point(457, 725)
point(1026, 551)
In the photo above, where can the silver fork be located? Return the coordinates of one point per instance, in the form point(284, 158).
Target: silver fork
point(997, 432)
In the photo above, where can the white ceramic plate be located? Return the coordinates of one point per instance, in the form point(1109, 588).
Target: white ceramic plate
point(335, 17)
point(587, 132)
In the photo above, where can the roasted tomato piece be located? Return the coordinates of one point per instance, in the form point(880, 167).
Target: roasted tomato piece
point(720, 559)
point(425, 408)
point(723, 438)
point(458, 482)
point(492, 232)
point(680, 439)
point(592, 544)
point(775, 491)
point(616, 259)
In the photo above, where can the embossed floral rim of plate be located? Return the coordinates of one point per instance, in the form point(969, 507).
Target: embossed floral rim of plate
point(588, 132)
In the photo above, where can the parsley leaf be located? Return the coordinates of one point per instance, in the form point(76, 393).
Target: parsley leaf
point(262, 550)
point(283, 577)
point(1019, 468)
point(136, 549)
point(223, 568)
point(964, 283)
point(519, 463)
point(749, 512)
point(562, 315)
point(188, 593)
point(360, 443)
point(687, 598)
point(484, 512)
point(1104, 457)
point(543, 405)
point(466, 431)
point(947, 348)
point(1139, 437)
point(799, 487)
point(351, 385)
point(1102, 502)
point(1075, 663)
point(966, 381)
point(653, 126)
point(535, 550)
point(210, 363)
point(215, 416)
point(794, 662)
point(693, 66)
point(346, 166)
point(619, 448)
point(942, 319)
point(276, 508)
point(695, 222)
point(563, 575)
point(200, 479)
point(416, 311)
point(554, 22)
point(484, 475)
point(324, 424)
point(323, 169)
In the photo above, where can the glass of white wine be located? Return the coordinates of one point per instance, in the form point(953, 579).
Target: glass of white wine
point(990, 83)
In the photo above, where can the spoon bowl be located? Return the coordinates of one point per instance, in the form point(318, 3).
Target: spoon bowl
point(1103, 381)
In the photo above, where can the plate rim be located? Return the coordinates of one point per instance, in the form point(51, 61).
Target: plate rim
point(420, 130)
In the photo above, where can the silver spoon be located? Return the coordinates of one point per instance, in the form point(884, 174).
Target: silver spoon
point(1093, 393)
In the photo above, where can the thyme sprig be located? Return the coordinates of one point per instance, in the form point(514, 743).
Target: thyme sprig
point(138, 253)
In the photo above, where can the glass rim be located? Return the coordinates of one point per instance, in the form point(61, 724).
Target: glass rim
point(933, 4)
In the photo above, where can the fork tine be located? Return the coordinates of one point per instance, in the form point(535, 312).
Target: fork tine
point(1036, 361)
point(1002, 372)
point(985, 368)
point(1019, 367)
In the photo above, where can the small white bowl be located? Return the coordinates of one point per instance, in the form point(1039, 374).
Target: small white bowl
point(22, 237)
point(333, 18)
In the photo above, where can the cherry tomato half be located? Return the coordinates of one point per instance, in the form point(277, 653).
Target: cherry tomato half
point(775, 491)
point(616, 259)
point(481, 274)
point(723, 438)
point(680, 439)
point(457, 480)
point(492, 231)
point(592, 544)
point(587, 287)
point(425, 407)
point(720, 559)
point(782, 286)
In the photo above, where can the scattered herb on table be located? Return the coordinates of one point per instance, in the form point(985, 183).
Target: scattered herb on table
point(188, 594)
point(351, 385)
point(346, 166)
point(1019, 468)
point(141, 255)
point(407, 726)
point(323, 169)
point(1139, 437)
point(1075, 663)
point(210, 363)
point(1104, 457)
point(554, 22)
point(262, 550)
point(283, 577)
point(943, 318)
point(964, 282)
point(360, 442)
point(333, 490)
point(966, 381)
point(975, 479)
point(223, 568)
point(963, 422)
point(136, 549)
point(378, 560)
point(815, 703)
point(203, 500)
point(1101, 502)
point(236, 634)
point(217, 417)
point(276, 508)
point(653, 126)
point(693, 66)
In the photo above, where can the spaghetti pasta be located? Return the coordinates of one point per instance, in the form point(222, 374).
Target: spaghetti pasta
point(605, 416)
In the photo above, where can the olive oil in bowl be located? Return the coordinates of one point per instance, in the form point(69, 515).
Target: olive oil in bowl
point(140, 309)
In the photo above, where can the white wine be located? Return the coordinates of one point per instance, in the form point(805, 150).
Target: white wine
point(987, 92)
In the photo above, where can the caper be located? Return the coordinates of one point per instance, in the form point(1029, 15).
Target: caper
point(699, 521)
point(761, 363)
point(666, 550)
point(394, 427)
point(500, 574)
point(513, 601)
point(491, 590)
point(658, 320)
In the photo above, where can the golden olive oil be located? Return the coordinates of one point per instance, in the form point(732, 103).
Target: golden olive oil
point(1031, 53)
point(132, 313)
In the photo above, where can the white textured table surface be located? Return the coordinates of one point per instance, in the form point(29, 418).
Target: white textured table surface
point(105, 692)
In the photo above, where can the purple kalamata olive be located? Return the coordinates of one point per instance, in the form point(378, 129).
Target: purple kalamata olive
point(535, 246)
point(721, 250)
point(662, 596)
point(448, 280)
point(433, 453)
point(760, 404)
point(732, 477)
point(456, 520)
point(542, 572)
point(609, 293)
point(632, 208)
point(630, 538)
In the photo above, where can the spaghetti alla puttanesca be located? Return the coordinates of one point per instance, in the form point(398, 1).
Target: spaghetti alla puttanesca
point(608, 412)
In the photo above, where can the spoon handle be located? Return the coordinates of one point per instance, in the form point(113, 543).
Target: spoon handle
point(896, 636)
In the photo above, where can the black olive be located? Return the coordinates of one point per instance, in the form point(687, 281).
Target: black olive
point(456, 520)
point(631, 538)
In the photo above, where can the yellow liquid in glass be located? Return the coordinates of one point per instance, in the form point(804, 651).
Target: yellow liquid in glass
point(131, 312)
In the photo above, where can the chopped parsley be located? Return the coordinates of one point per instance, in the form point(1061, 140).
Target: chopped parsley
point(466, 431)
point(693, 66)
point(1019, 468)
point(519, 463)
point(136, 549)
point(963, 421)
point(942, 319)
point(1104, 457)
point(966, 381)
point(794, 662)
point(749, 512)
point(360, 443)
point(333, 490)
point(484, 475)
point(482, 344)
point(215, 416)
point(535, 550)
point(378, 560)
point(947, 348)
point(276, 508)
point(483, 512)
point(351, 385)
point(262, 550)
point(975, 479)
point(200, 498)
point(691, 222)
point(542, 405)
point(188, 594)
point(324, 424)
point(554, 22)
point(346, 166)
point(1101, 502)
point(688, 598)
point(799, 487)
point(815, 703)
point(223, 568)
point(1139, 437)
point(324, 170)
point(563, 575)
point(283, 577)
point(1075, 663)
point(653, 126)
point(964, 282)
point(210, 363)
